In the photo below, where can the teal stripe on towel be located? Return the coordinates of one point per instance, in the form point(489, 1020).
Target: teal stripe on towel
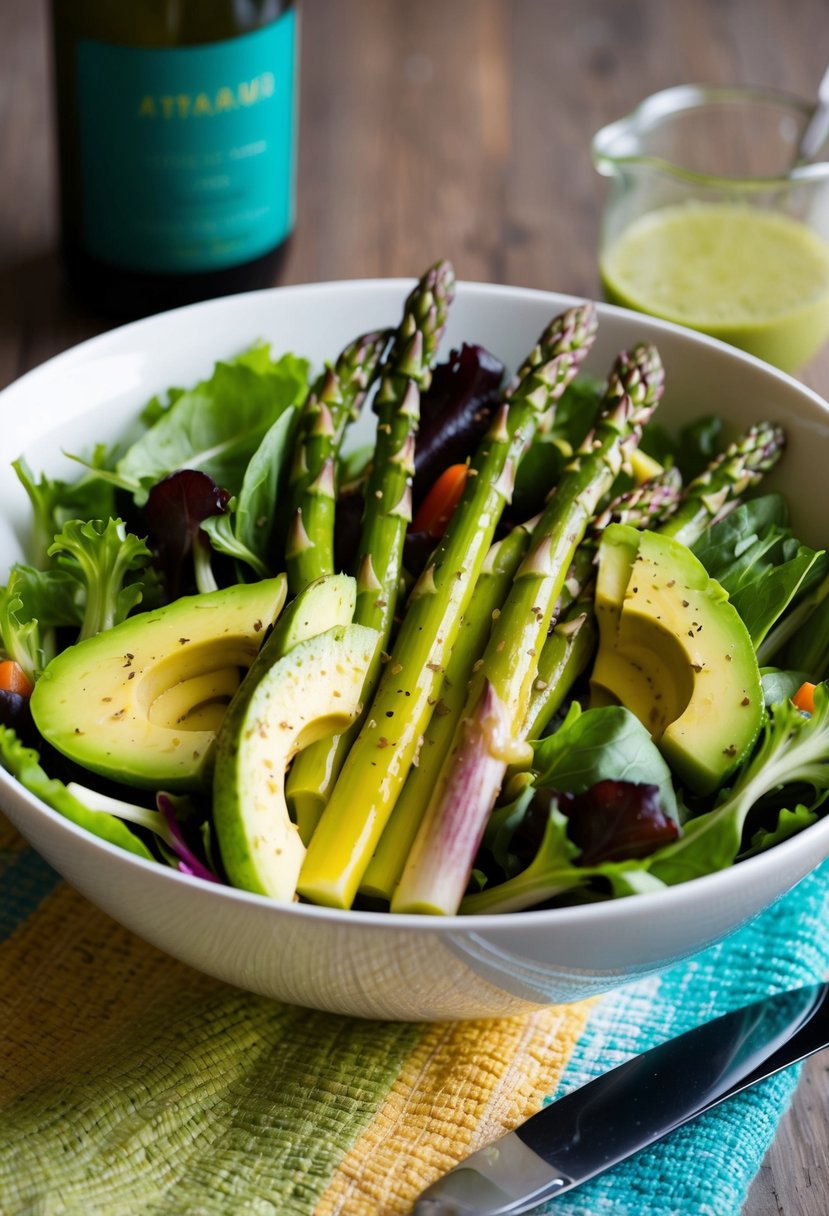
point(29, 876)
point(706, 1167)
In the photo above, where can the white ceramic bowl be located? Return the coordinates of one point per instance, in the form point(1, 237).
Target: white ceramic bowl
point(375, 965)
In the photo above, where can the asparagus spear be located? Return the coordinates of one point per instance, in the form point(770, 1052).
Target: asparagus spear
point(564, 655)
point(502, 561)
point(485, 742)
point(497, 573)
point(733, 472)
point(388, 508)
point(387, 513)
point(567, 649)
point(334, 401)
point(380, 760)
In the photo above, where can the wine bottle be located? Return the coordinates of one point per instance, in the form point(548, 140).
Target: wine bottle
point(176, 128)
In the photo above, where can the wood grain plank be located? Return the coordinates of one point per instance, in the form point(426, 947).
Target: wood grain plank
point(794, 1178)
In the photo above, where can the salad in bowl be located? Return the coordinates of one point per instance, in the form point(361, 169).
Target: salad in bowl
point(424, 631)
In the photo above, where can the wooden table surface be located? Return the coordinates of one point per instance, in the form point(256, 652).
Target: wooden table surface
point(456, 128)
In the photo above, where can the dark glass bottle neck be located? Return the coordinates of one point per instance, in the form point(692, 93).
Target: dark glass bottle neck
point(162, 23)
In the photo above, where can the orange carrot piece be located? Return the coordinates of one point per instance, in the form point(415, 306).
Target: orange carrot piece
point(14, 679)
point(804, 698)
point(438, 506)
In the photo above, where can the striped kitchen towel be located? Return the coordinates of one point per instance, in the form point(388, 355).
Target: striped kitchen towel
point(133, 1086)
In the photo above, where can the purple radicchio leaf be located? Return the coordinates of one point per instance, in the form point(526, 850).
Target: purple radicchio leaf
point(610, 821)
point(455, 412)
point(617, 821)
point(175, 509)
point(189, 863)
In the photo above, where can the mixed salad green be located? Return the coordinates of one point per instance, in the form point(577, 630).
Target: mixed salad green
point(528, 648)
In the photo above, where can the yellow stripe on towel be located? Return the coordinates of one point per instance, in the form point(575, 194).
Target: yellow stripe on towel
point(463, 1085)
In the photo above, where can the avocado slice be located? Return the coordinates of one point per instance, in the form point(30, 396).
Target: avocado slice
point(674, 651)
point(141, 703)
point(312, 691)
point(327, 602)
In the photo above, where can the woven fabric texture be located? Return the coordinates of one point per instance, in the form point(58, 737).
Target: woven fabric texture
point(129, 1083)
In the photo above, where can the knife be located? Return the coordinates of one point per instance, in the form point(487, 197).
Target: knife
point(632, 1106)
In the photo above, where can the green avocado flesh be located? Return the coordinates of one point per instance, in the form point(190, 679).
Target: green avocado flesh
point(141, 703)
point(312, 691)
point(675, 652)
point(323, 604)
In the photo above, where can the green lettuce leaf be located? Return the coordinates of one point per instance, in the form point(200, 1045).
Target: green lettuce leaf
point(32, 604)
point(55, 502)
point(104, 555)
point(217, 426)
point(793, 750)
point(24, 764)
point(789, 823)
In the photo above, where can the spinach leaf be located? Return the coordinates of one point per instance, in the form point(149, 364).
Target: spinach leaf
point(741, 529)
point(761, 601)
point(245, 531)
point(754, 556)
point(217, 426)
point(805, 634)
point(601, 744)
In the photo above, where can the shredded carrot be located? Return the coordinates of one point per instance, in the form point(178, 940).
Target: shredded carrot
point(439, 505)
point(14, 679)
point(804, 698)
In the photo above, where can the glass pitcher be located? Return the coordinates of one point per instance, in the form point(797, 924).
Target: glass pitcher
point(707, 224)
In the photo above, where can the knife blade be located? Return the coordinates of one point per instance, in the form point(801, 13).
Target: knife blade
point(631, 1107)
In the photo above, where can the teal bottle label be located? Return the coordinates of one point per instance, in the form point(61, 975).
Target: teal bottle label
point(188, 153)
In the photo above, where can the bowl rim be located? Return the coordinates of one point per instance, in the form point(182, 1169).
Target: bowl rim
point(79, 351)
point(727, 880)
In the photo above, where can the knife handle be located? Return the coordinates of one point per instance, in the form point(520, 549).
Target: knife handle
point(493, 1180)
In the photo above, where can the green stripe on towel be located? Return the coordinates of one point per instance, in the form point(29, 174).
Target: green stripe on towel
point(228, 1104)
